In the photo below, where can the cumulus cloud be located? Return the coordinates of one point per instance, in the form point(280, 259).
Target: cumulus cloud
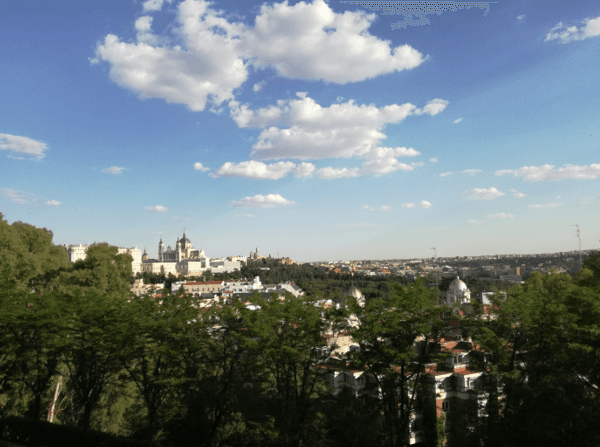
point(200, 167)
point(310, 41)
point(484, 193)
point(113, 170)
point(424, 204)
point(457, 120)
point(446, 174)
point(258, 86)
point(381, 208)
point(517, 194)
point(260, 201)
point(154, 5)
point(300, 128)
point(206, 57)
point(22, 147)
point(304, 170)
point(564, 34)
point(330, 173)
point(547, 172)
point(470, 171)
point(53, 203)
point(501, 216)
point(433, 160)
point(255, 170)
point(433, 107)
point(14, 195)
point(156, 209)
point(547, 205)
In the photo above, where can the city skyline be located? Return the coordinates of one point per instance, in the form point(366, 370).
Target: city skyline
point(309, 129)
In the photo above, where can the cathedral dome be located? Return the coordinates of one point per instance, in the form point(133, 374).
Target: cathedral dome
point(458, 286)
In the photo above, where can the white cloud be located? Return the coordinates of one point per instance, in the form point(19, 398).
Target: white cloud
point(417, 164)
point(484, 193)
point(433, 107)
point(590, 28)
point(114, 170)
point(409, 205)
point(302, 129)
point(53, 203)
point(517, 194)
point(207, 66)
point(304, 170)
point(547, 172)
point(200, 167)
point(22, 146)
point(255, 170)
point(548, 205)
point(470, 171)
point(446, 174)
point(260, 201)
point(424, 204)
point(206, 57)
point(14, 195)
point(335, 173)
point(310, 41)
point(521, 17)
point(501, 216)
point(381, 208)
point(156, 209)
point(154, 5)
point(457, 120)
point(433, 160)
point(143, 24)
point(244, 215)
point(474, 222)
point(258, 86)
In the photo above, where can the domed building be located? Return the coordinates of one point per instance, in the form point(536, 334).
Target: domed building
point(458, 293)
point(355, 292)
point(183, 250)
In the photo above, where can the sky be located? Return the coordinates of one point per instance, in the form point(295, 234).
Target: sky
point(310, 129)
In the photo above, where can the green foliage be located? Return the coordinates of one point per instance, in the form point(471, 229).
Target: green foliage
point(387, 333)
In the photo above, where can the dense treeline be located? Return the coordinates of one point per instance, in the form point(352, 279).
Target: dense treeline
point(78, 348)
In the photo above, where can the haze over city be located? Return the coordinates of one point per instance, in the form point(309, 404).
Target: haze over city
point(312, 130)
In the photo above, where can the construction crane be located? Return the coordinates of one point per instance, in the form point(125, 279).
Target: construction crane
point(434, 252)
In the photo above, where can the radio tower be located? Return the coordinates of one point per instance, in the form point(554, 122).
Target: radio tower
point(437, 287)
point(578, 237)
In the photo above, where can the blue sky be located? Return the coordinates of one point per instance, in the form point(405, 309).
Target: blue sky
point(309, 129)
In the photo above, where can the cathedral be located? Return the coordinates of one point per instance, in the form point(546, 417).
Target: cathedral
point(458, 292)
point(183, 251)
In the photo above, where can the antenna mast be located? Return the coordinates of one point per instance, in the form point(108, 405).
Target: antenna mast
point(437, 287)
point(578, 237)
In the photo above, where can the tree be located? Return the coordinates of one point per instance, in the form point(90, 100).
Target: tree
point(388, 334)
point(542, 358)
point(286, 340)
point(93, 297)
point(148, 358)
point(29, 263)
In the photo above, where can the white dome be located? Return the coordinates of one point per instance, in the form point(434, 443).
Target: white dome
point(458, 286)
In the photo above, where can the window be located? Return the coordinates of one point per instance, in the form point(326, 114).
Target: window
point(445, 405)
point(468, 381)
